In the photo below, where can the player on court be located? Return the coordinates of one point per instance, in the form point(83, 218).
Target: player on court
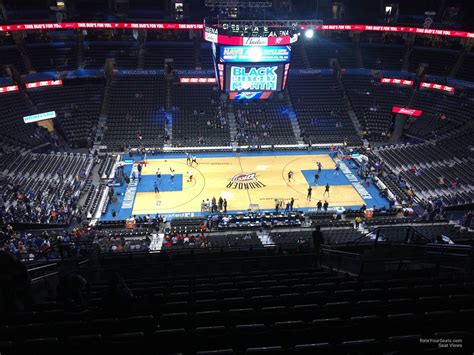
point(316, 178)
point(158, 175)
point(310, 191)
point(188, 159)
point(171, 176)
point(326, 190)
point(155, 187)
point(338, 166)
point(194, 161)
point(190, 176)
point(320, 167)
point(290, 176)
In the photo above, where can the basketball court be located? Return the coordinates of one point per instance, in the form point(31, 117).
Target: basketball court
point(245, 180)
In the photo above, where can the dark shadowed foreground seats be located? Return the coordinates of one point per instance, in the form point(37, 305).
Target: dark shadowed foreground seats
point(286, 311)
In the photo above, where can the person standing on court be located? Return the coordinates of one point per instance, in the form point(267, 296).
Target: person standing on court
point(214, 205)
point(290, 175)
point(338, 166)
point(225, 205)
point(319, 205)
point(325, 206)
point(316, 178)
point(188, 159)
point(292, 202)
point(310, 191)
point(320, 167)
point(155, 187)
point(171, 176)
point(326, 190)
point(219, 204)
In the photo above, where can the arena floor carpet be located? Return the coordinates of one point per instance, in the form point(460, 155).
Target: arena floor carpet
point(243, 179)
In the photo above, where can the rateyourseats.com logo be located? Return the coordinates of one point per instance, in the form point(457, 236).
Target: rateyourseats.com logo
point(445, 343)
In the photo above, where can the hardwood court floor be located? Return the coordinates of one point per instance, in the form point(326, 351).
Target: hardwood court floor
point(242, 180)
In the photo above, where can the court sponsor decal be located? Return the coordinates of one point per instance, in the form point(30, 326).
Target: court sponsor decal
point(245, 181)
point(354, 181)
point(131, 190)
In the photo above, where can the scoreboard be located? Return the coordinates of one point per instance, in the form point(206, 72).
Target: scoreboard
point(251, 72)
point(250, 54)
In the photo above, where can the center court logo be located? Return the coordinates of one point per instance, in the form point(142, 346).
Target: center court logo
point(244, 181)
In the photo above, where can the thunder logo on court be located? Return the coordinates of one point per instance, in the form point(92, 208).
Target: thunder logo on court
point(244, 181)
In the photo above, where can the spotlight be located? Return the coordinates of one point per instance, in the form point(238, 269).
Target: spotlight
point(309, 33)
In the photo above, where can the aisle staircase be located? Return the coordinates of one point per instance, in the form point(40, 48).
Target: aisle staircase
point(293, 118)
point(349, 108)
point(141, 56)
point(408, 49)
point(102, 122)
point(305, 57)
point(357, 52)
point(80, 51)
point(24, 55)
point(460, 61)
point(232, 126)
point(169, 121)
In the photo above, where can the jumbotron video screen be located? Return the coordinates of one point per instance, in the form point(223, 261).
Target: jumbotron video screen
point(251, 72)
